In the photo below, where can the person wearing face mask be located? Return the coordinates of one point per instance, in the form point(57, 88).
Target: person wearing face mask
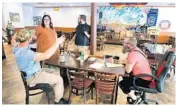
point(136, 64)
point(82, 35)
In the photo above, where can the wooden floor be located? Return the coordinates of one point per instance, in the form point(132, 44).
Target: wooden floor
point(13, 89)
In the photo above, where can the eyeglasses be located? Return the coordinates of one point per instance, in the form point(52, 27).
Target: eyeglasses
point(46, 19)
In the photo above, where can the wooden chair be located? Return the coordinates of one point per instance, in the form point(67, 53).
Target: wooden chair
point(46, 88)
point(106, 84)
point(79, 80)
point(100, 42)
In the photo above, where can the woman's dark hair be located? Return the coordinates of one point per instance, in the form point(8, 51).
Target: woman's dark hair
point(50, 24)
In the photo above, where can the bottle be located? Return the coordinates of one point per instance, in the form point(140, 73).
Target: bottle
point(62, 56)
point(82, 56)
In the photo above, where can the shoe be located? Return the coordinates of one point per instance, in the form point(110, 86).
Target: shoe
point(62, 101)
point(131, 101)
point(138, 93)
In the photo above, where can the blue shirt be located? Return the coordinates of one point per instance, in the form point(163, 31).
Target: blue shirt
point(25, 60)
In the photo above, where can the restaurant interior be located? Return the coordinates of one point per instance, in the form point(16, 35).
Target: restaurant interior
point(93, 78)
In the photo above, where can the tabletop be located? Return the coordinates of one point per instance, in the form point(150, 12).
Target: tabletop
point(73, 64)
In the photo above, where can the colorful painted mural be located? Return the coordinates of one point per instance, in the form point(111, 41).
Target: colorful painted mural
point(124, 15)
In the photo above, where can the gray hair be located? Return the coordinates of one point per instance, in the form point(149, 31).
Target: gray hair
point(132, 41)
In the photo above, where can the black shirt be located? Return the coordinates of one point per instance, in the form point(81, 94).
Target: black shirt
point(81, 39)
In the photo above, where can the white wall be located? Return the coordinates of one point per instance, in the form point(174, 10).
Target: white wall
point(28, 15)
point(13, 7)
point(3, 26)
point(65, 17)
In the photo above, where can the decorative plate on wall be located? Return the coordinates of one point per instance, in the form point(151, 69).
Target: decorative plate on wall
point(165, 24)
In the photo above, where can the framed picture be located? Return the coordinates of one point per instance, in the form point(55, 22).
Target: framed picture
point(37, 20)
point(14, 17)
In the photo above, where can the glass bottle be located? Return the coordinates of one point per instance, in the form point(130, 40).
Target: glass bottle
point(62, 56)
point(82, 56)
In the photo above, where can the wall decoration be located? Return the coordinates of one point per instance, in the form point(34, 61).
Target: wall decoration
point(152, 17)
point(164, 24)
point(14, 17)
point(37, 20)
point(125, 15)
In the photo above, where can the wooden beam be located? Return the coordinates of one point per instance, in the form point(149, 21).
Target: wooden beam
point(93, 43)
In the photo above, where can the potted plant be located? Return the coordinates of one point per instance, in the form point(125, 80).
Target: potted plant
point(10, 31)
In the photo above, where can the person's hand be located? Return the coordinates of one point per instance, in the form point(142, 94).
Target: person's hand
point(85, 32)
point(34, 37)
point(60, 40)
point(121, 62)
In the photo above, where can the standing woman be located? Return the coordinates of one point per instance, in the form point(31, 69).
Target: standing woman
point(46, 36)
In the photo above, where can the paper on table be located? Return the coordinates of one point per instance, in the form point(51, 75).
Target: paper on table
point(113, 65)
point(96, 65)
point(91, 59)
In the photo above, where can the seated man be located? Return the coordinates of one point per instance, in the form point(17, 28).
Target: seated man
point(136, 64)
point(28, 62)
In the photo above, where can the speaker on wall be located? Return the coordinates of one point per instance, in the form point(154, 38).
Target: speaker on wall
point(100, 15)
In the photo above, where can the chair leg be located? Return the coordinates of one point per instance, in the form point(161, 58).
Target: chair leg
point(76, 92)
point(142, 102)
point(92, 92)
point(84, 96)
point(96, 97)
point(150, 100)
point(27, 96)
point(70, 94)
point(116, 92)
point(48, 98)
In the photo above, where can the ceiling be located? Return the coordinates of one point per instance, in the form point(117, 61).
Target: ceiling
point(89, 4)
point(64, 4)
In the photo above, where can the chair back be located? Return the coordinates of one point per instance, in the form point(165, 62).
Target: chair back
point(77, 79)
point(106, 84)
point(23, 75)
point(163, 70)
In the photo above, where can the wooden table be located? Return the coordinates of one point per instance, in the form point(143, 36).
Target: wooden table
point(73, 64)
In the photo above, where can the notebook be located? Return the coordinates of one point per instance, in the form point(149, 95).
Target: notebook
point(96, 65)
point(113, 65)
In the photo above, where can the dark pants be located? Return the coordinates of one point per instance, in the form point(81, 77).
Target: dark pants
point(127, 82)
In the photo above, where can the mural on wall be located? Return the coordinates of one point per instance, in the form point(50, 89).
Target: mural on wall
point(37, 20)
point(125, 15)
point(14, 17)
